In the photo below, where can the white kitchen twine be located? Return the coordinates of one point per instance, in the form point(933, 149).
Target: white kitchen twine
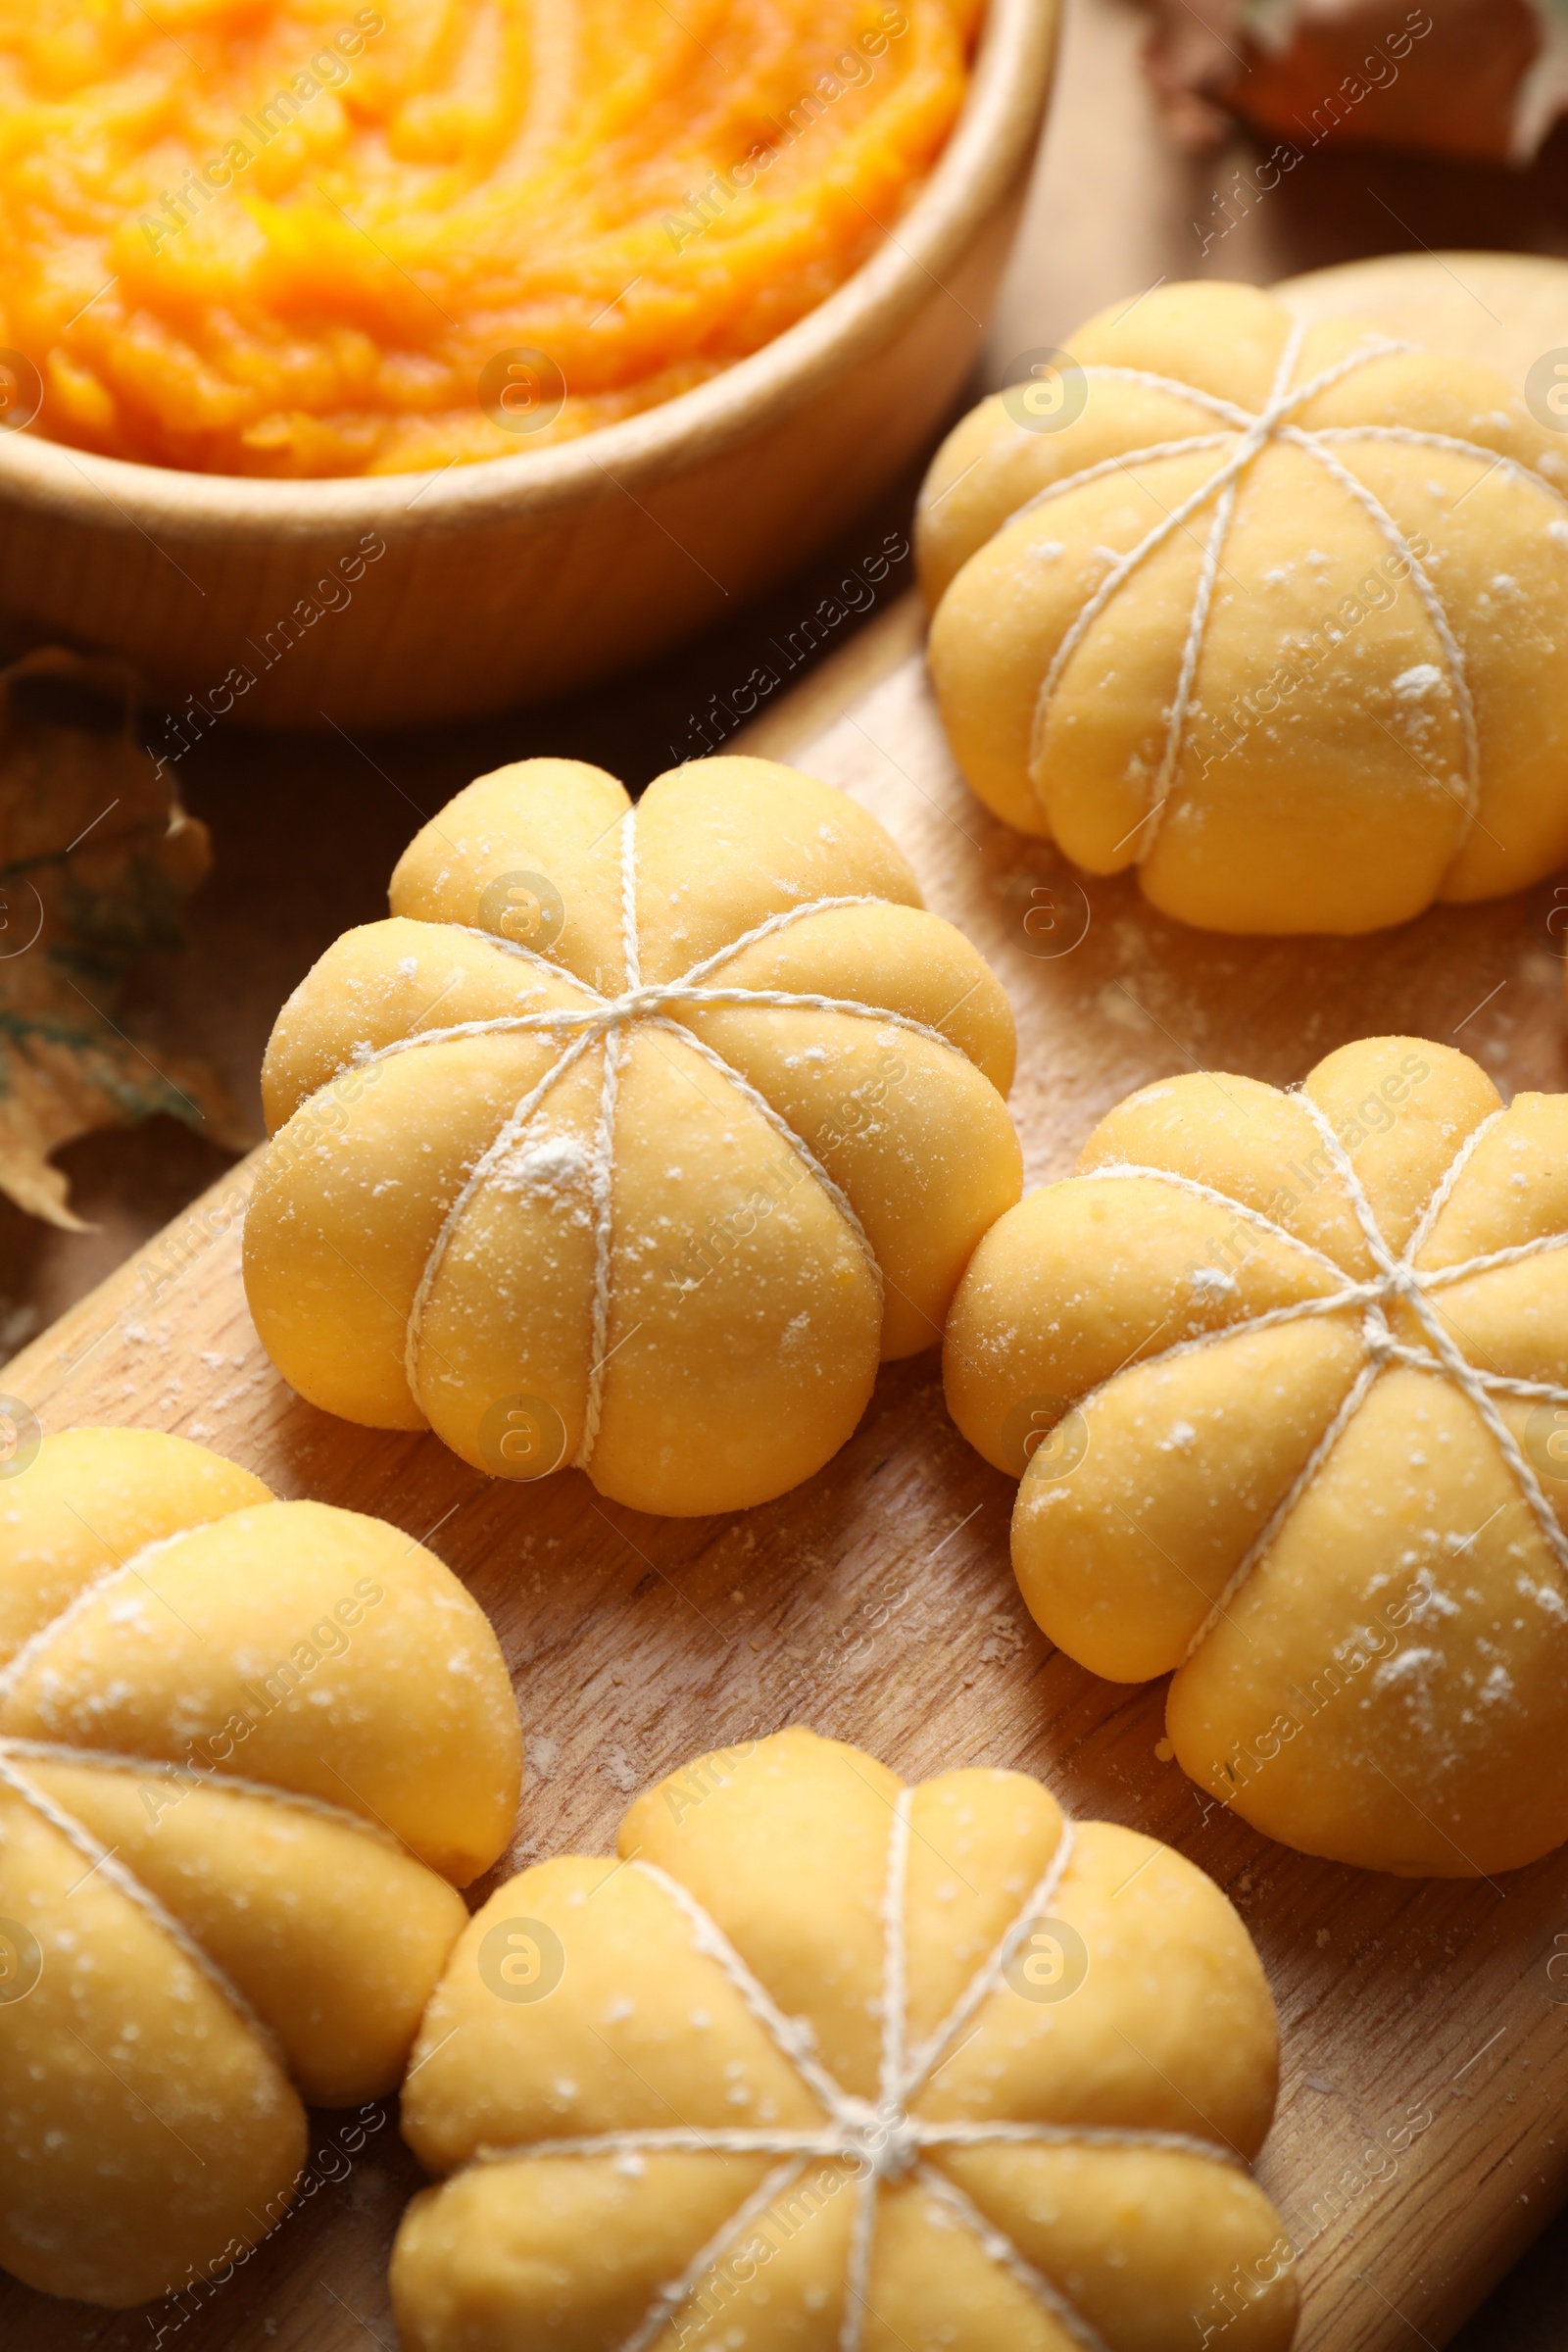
point(102, 1862)
point(17, 1752)
point(1272, 423)
point(881, 2137)
point(82, 1600)
point(1396, 1278)
point(607, 1019)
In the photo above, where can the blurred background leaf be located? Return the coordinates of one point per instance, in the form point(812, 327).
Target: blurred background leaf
point(97, 858)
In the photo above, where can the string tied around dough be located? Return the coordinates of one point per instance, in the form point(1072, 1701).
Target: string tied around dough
point(18, 1750)
point(607, 1021)
point(882, 2141)
point(1397, 1281)
point(1276, 422)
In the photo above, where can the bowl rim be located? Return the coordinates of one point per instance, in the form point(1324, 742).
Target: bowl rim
point(984, 154)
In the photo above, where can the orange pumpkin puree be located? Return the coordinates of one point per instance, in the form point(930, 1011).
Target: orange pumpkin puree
point(296, 237)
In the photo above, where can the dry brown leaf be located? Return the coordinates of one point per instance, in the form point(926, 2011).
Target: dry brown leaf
point(96, 858)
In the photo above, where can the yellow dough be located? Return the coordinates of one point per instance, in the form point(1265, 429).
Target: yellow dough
point(248, 1751)
point(1286, 1379)
point(632, 1141)
point(1278, 616)
point(825, 2064)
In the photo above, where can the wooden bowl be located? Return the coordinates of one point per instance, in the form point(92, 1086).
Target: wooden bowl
point(515, 579)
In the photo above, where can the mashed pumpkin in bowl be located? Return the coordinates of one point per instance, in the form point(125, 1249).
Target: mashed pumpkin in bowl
point(304, 237)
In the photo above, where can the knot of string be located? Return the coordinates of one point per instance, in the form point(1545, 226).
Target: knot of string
point(882, 2140)
point(1250, 433)
point(1401, 1280)
point(1397, 1281)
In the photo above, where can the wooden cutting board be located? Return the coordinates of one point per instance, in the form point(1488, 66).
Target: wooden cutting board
point(1418, 2144)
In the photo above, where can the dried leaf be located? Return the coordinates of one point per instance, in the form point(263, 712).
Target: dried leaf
point(96, 857)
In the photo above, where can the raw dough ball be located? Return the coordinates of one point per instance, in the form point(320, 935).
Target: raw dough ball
point(826, 2062)
point(244, 1748)
point(1304, 680)
point(632, 1141)
point(1286, 1376)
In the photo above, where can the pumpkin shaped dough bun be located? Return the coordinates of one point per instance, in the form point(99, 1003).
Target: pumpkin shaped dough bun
point(823, 2063)
point(249, 1750)
point(1285, 1377)
point(635, 1139)
point(1276, 616)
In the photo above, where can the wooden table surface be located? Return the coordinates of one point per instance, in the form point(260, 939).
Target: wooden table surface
point(306, 830)
point(1425, 2043)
